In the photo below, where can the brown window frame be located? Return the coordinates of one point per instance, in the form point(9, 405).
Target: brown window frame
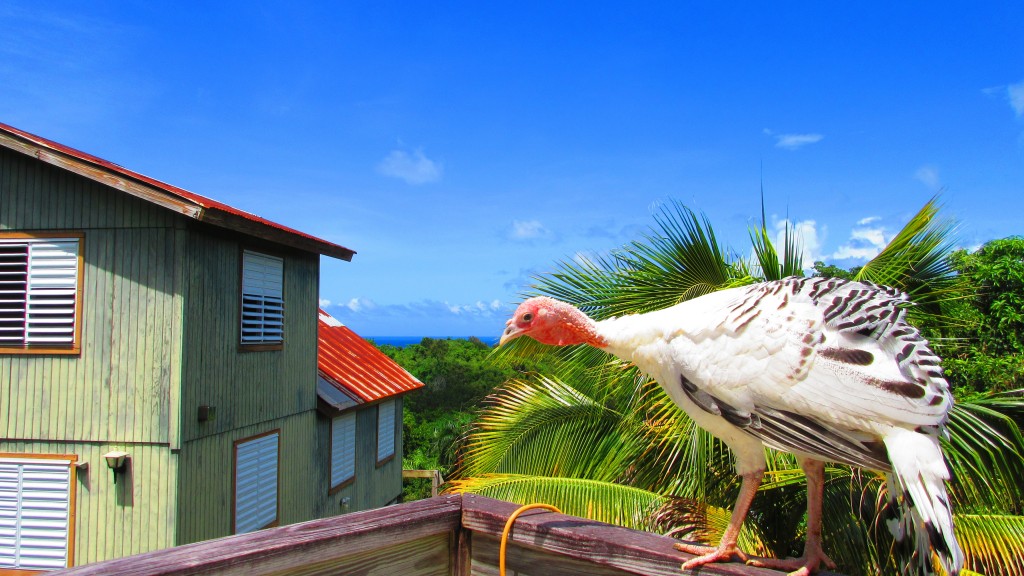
point(72, 505)
point(234, 480)
point(75, 349)
point(394, 434)
point(259, 346)
point(330, 463)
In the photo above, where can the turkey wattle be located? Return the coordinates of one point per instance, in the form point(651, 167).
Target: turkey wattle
point(822, 368)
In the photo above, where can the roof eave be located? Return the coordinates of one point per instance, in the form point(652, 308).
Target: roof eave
point(225, 219)
point(18, 141)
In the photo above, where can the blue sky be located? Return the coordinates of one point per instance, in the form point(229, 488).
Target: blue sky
point(460, 148)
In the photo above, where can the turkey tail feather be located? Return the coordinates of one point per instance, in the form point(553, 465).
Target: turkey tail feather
point(918, 486)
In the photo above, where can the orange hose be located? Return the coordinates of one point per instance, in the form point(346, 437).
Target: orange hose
point(508, 529)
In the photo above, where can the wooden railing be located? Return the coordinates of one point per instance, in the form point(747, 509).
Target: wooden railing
point(435, 478)
point(453, 535)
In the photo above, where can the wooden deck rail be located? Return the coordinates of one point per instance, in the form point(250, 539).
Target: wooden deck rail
point(453, 535)
point(435, 478)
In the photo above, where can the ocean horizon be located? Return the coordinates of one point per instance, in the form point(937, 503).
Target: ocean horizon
point(403, 341)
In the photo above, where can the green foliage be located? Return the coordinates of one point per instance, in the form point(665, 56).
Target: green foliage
point(457, 375)
point(603, 501)
point(983, 346)
point(980, 336)
point(823, 270)
point(997, 273)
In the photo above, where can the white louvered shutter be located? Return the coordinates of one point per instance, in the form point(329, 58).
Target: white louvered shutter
point(385, 429)
point(262, 298)
point(38, 291)
point(343, 448)
point(34, 513)
point(256, 483)
point(13, 291)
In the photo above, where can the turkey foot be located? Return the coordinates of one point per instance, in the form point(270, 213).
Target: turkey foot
point(813, 556)
point(710, 554)
point(803, 566)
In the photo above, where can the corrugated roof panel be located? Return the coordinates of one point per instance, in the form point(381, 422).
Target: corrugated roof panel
point(211, 210)
point(345, 359)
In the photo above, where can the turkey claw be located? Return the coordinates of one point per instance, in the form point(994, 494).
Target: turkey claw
point(804, 566)
point(710, 554)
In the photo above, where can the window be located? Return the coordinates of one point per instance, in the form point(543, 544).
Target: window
point(256, 483)
point(40, 284)
point(36, 511)
point(343, 450)
point(385, 431)
point(262, 299)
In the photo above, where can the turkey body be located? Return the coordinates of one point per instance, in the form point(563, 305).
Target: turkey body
point(825, 369)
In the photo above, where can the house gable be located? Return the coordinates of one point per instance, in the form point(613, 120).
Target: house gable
point(159, 193)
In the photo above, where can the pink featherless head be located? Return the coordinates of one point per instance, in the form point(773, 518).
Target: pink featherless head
point(550, 321)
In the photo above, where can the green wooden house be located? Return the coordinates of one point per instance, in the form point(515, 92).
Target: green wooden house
point(159, 369)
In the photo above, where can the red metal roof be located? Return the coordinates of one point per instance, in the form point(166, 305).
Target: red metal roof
point(354, 365)
point(181, 200)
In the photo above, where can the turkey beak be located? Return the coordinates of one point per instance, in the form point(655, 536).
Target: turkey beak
point(511, 333)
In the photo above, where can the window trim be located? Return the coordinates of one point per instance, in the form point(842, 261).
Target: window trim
point(394, 434)
point(234, 481)
point(335, 488)
point(75, 349)
point(72, 501)
point(260, 346)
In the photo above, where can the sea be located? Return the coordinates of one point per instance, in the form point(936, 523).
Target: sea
point(403, 341)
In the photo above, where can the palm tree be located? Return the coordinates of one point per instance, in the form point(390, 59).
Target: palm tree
point(598, 439)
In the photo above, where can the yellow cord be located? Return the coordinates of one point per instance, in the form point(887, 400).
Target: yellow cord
point(508, 529)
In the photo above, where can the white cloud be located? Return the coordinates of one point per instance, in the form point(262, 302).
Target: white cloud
point(478, 308)
point(324, 302)
point(528, 230)
point(866, 241)
point(794, 141)
point(873, 236)
point(414, 168)
point(1015, 94)
point(929, 175)
point(360, 304)
point(420, 309)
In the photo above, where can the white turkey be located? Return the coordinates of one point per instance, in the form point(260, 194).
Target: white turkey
point(823, 368)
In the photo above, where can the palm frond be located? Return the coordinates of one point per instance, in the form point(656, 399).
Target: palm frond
point(696, 521)
point(678, 457)
point(602, 501)
point(916, 260)
point(770, 264)
point(992, 543)
point(546, 427)
point(677, 260)
point(985, 451)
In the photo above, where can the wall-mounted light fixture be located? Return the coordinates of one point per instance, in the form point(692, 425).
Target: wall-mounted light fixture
point(116, 461)
point(207, 413)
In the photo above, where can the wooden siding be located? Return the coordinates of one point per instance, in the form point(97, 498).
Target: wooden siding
point(37, 196)
point(115, 520)
point(205, 477)
point(373, 486)
point(119, 389)
point(245, 387)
